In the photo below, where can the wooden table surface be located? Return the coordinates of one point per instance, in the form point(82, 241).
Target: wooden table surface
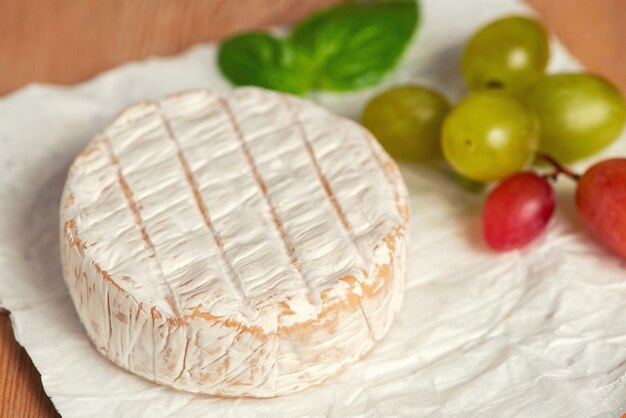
point(35, 46)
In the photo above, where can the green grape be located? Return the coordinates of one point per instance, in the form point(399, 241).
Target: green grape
point(489, 135)
point(509, 53)
point(579, 114)
point(407, 122)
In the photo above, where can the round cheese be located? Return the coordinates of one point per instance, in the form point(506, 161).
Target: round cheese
point(250, 244)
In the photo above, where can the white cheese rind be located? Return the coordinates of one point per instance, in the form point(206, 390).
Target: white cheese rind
point(246, 245)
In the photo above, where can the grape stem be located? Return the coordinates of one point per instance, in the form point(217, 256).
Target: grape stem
point(558, 168)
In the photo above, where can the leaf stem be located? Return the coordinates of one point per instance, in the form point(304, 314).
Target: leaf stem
point(558, 168)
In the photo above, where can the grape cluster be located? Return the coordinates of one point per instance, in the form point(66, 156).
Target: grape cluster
point(515, 113)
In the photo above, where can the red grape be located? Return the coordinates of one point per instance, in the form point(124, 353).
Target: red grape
point(601, 203)
point(517, 211)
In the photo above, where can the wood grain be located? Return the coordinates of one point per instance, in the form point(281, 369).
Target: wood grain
point(21, 392)
point(594, 31)
point(65, 41)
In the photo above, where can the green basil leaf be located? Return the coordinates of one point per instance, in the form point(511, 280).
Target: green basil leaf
point(352, 46)
point(259, 59)
point(346, 47)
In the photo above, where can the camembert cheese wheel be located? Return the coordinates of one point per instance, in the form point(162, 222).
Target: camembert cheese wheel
point(248, 244)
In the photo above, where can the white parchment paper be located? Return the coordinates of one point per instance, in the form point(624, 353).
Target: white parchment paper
point(534, 333)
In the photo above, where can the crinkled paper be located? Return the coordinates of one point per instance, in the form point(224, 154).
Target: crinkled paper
point(539, 332)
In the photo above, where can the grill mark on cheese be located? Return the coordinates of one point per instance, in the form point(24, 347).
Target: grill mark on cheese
point(203, 119)
point(132, 204)
point(233, 277)
point(289, 248)
point(326, 186)
point(385, 168)
point(134, 208)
